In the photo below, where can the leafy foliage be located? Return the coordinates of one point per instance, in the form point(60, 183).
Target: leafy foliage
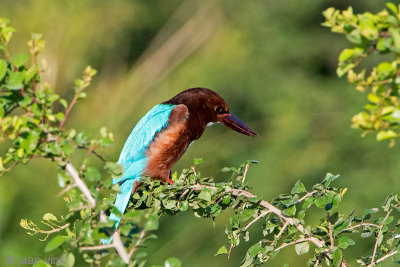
point(370, 35)
point(32, 119)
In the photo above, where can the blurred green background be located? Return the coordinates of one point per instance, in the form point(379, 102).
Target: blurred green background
point(271, 61)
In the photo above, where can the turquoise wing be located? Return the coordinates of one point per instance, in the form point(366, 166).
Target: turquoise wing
point(133, 156)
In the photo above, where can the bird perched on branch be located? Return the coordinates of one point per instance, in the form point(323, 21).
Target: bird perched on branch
point(164, 134)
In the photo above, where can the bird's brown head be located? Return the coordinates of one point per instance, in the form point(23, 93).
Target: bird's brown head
point(206, 107)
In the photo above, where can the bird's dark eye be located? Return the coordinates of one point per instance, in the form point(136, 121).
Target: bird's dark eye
point(219, 110)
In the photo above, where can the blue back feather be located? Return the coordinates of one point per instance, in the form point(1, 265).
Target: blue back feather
point(133, 157)
point(141, 137)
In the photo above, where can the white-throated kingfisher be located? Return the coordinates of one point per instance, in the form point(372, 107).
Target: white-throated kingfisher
point(164, 134)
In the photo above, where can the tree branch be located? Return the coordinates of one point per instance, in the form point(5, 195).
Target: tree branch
point(378, 237)
point(81, 185)
point(394, 252)
point(268, 206)
point(119, 247)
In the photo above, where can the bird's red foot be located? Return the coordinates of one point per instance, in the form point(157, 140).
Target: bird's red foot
point(170, 181)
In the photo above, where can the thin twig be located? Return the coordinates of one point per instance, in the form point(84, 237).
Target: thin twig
point(183, 194)
point(8, 53)
point(344, 263)
point(262, 214)
point(359, 225)
point(194, 171)
point(69, 110)
point(394, 252)
point(97, 247)
point(142, 234)
point(281, 231)
point(245, 172)
point(55, 229)
point(80, 208)
point(66, 189)
point(293, 242)
point(10, 110)
point(306, 196)
point(330, 230)
point(99, 156)
point(81, 185)
point(379, 236)
point(229, 252)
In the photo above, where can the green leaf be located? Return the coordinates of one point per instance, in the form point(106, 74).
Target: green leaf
point(302, 248)
point(60, 116)
point(383, 44)
point(298, 188)
point(225, 169)
point(205, 194)
point(222, 250)
point(329, 178)
point(354, 37)
point(82, 95)
point(373, 98)
point(337, 257)
point(92, 174)
point(80, 138)
point(15, 80)
point(172, 262)
point(55, 243)
point(307, 203)
point(320, 202)
point(386, 68)
point(255, 249)
point(114, 168)
point(389, 220)
point(368, 212)
point(396, 37)
point(20, 60)
point(345, 241)
point(30, 73)
point(291, 211)
point(151, 223)
point(69, 260)
point(3, 69)
point(197, 160)
point(344, 68)
point(392, 7)
point(346, 55)
point(64, 103)
point(49, 217)
point(383, 135)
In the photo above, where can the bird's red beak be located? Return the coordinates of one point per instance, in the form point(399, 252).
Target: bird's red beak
point(233, 122)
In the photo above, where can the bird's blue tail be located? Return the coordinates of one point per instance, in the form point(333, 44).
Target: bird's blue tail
point(120, 203)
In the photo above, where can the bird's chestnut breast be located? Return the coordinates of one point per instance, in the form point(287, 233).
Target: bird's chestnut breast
point(168, 145)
